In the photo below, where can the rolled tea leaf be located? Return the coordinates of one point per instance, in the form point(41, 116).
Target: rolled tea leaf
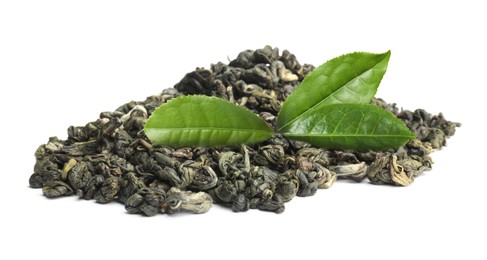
point(348, 79)
point(205, 122)
point(350, 126)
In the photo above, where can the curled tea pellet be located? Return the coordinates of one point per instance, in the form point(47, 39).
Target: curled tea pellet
point(53, 189)
point(307, 184)
point(45, 170)
point(79, 175)
point(146, 201)
point(241, 203)
point(178, 200)
point(130, 185)
point(287, 185)
point(109, 189)
point(386, 170)
point(355, 171)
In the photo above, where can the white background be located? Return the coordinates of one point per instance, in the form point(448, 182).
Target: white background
point(63, 62)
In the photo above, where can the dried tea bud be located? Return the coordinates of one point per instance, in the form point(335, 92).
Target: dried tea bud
point(178, 200)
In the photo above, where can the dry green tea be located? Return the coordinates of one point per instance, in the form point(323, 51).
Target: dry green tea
point(111, 158)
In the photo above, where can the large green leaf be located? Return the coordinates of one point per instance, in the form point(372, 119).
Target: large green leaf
point(350, 126)
point(349, 79)
point(204, 121)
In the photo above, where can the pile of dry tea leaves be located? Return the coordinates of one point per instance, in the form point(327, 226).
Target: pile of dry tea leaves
point(111, 159)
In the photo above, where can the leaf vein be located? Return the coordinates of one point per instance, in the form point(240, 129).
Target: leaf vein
point(332, 95)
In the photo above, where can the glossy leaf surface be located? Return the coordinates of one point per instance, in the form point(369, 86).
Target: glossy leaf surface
point(348, 79)
point(350, 126)
point(204, 122)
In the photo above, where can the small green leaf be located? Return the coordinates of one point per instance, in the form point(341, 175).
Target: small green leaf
point(206, 122)
point(349, 79)
point(350, 126)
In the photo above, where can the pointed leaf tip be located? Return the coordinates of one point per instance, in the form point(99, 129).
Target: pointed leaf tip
point(348, 79)
point(350, 126)
point(205, 122)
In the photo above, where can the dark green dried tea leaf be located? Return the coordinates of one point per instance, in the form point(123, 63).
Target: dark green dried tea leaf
point(350, 126)
point(348, 79)
point(206, 122)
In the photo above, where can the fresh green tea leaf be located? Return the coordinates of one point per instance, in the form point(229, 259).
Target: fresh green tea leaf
point(206, 122)
point(349, 79)
point(350, 126)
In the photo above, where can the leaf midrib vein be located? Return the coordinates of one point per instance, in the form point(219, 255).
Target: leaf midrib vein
point(346, 135)
point(326, 98)
point(205, 128)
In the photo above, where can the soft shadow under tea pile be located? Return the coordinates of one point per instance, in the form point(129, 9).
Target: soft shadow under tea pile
point(111, 159)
